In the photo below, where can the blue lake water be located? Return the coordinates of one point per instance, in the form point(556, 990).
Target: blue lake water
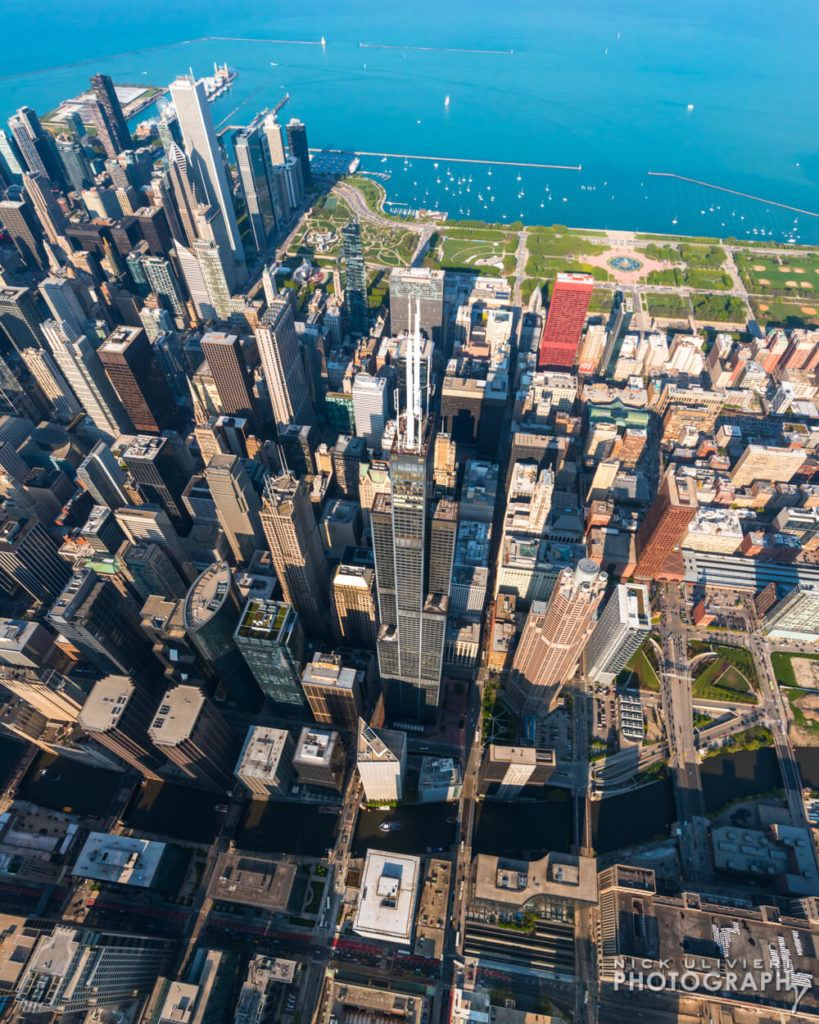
point(722, 92)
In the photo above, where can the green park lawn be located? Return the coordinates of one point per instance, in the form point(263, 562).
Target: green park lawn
point(669, 305)
point(785, 273)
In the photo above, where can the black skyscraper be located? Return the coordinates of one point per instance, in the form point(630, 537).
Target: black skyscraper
point(355, 290)
point(297, 144)
point(111, 110)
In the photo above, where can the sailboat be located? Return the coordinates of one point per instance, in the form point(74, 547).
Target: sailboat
point(446, 101)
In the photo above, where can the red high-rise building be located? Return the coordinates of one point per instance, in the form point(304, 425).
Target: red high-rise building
point(564, 325)
point(664, 527)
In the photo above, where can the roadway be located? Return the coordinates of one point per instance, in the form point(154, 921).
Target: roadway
point(777, 715)
point(339, 856)
point(585, 959)
point(675, 678)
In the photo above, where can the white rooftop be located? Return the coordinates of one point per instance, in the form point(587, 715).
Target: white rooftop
point(124, 860)
point(389, 892)
point(262, 752)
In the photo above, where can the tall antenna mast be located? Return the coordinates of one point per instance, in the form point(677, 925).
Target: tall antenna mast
point(416, 375)
point(410, 364)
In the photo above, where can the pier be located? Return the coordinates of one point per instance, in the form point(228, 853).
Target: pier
point(732, 192)
point(434, 49)
point(475, 160)
point(254, 39)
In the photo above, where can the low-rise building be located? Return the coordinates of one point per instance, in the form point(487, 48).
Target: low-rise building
point(258, 880)
point(768, 953)
point(345, 999)
point(505, 770)
point(632, 726)
point(388, 896)
point(130, 861)
point(430, 929)
point(714, 529)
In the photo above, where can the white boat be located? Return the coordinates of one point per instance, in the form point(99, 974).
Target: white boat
point(323, 41)
point(446, 101)
point(690, 107)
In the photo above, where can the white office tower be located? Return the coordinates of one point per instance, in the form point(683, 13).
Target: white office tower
point(204, 271)
point(202, 149)
point(381, 759)
point(102, 476)
point(283, 367)
point(271, 290)
point(623, 625)
point(77, 358)
point(63, 302)
point(238, 506)
point(74, 970)
point(370, 395)
point(275, 142)
point(529, 501)
point(52, 383)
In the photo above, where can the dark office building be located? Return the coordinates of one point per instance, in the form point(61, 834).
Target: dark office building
point(297, 144)
point(355, 289)
point(160, 476)
point(117, 715)
point(211, 615)
point(153, 226)
point(111, 109)
point(271, 640)
point(298, 443)
point(461, 407)
point(20, 318)
point(130, 365)
point(231, 376)
point(104, 626)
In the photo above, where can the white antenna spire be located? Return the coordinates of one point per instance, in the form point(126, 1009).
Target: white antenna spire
point(410, 364)
point(416, 374)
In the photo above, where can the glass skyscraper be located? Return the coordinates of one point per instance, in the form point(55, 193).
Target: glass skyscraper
point(355, 289)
